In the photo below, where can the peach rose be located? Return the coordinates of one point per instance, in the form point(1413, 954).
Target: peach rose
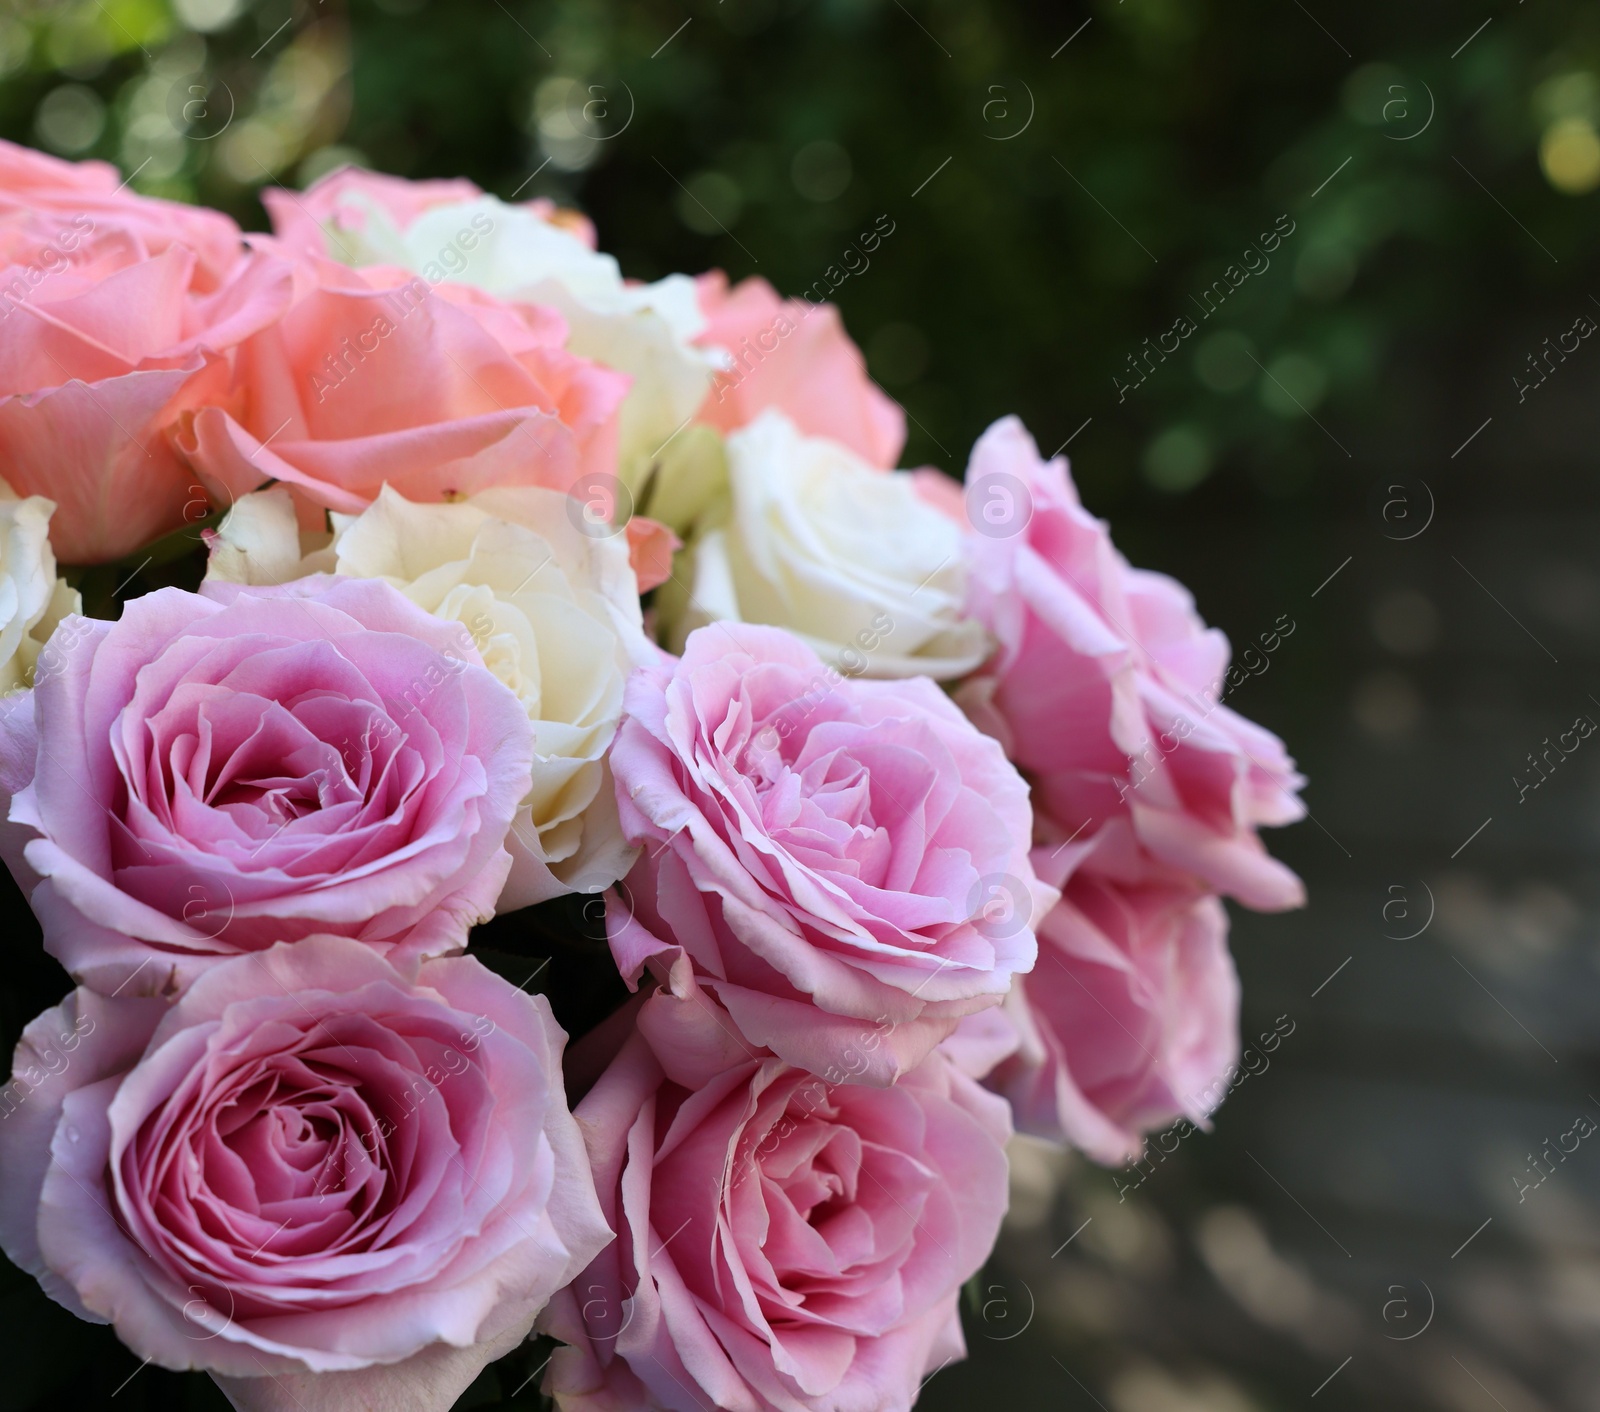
point(795, 356)
point(33, 185)
point(452, 232)
point(117, 315)
point(373, 377)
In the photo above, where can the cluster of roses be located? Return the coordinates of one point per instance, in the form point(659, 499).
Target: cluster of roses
point(855, 789)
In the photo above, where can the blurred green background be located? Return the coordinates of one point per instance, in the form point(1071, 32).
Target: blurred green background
point(1067, 183)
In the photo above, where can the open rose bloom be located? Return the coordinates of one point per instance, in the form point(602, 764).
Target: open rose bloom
point(849, 818)
point(307, 1164)
point(825, 852)
point(846, 1217)
point(1106, 688)
point(1128, 1020)
point(119, 317)
point(542, 631)
point(213, 774)
point(451, 231)
point(374, 377)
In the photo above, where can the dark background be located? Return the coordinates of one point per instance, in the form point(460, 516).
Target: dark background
point(1350, 411)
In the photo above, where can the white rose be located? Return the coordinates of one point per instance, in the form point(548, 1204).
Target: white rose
point(644, 330)
point(553, 610)
point(260, 541)
point(32, 599)
point(851, 558)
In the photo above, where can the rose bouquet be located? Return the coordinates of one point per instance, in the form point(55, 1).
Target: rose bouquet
point(529, 654)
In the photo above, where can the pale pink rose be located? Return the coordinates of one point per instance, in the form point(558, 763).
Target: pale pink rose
point(375, 377)
point(117, 316)
point(782, 1243)
point(1130, 1019)
point(340, 204)
point(795, 356)
point(310, 1164)
point(1105, 691)
point(981, 1041)
point(217, 772)
point(845, 863)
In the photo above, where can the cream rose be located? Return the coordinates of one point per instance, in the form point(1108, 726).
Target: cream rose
point(851, 558)
point(512, 251)
point(32, 599)
point(553, 611)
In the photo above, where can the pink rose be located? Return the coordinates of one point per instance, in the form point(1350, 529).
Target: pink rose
point(1130, 1019)
point(1105, 691)
point(309, 1164)
point(781, 1243)
point(214, 773)
point(795, 356)
point(845, 863)
point(117, 314)
point(340, 202)
point(375, 377)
